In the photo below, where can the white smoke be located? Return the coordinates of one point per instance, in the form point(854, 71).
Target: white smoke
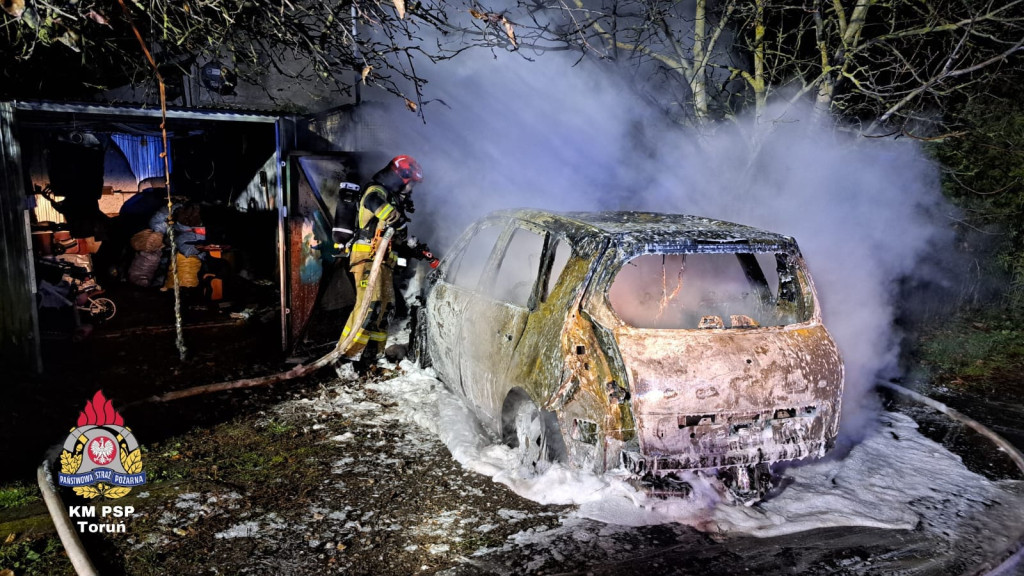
point(555, 135)
point(863, 210)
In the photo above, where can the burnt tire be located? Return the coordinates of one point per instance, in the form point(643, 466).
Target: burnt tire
point(538, 441)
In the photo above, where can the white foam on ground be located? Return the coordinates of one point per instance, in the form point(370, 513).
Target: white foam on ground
point(887, 481)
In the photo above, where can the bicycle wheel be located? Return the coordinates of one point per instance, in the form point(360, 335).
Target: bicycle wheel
point(102, 308)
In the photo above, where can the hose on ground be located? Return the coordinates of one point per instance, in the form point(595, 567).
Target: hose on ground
point(1004, 445)
point(1009, 449)
point(59, 513)
point(301, 369)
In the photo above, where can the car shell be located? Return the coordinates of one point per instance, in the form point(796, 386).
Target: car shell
point(656, 400)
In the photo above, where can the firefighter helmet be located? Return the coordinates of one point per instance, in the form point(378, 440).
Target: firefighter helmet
point(407, 169)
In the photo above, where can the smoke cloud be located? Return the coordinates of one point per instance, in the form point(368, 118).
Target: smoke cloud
point(550, 134)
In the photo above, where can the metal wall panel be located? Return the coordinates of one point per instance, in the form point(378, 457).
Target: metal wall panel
point(19, 343)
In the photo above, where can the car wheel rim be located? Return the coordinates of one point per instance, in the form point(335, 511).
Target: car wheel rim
point(532, 436)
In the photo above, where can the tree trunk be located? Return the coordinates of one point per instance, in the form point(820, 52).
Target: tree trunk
point(698, 82)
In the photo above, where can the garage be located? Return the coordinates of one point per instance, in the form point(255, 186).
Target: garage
point(86, 227)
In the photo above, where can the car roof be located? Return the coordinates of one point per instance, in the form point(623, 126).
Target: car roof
point(635, 230)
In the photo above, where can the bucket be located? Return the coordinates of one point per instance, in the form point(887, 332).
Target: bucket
point(65, 243)
point(42, 242)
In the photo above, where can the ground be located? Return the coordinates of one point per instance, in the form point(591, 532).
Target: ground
point(360, 495)
point(973, 361)
point(331, 475)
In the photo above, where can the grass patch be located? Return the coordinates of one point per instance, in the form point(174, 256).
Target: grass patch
point(267, 462)
point(242, 452)
point(14, 495)
point(38, 556)
point(475, 542)
point(276, 428)
point(972, 351)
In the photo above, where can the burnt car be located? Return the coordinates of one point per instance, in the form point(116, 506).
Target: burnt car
point(661, 343)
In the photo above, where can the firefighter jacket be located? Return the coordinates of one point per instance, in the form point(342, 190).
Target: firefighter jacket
point(381, 206)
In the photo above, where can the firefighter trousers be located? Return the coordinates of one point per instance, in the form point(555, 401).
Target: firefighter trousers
point(372, 333)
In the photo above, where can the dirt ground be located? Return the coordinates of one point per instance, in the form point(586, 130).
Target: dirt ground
point(130, 363)
point(313, 487)
point(330, 478)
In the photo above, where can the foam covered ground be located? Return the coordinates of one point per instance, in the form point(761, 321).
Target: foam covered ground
point(896, 478)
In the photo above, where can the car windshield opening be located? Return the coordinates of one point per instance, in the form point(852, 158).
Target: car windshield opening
point(711, 290)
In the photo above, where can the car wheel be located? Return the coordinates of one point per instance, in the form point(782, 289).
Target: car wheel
point(538, 441)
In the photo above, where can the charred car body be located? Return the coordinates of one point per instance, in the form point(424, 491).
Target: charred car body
point(659, 342)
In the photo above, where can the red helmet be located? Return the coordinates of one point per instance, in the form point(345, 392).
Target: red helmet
point(407, 168)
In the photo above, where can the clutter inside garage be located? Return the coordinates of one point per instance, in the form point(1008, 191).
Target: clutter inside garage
point(105, 214)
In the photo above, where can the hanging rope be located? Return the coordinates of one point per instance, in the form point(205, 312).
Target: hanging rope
point(180, 337)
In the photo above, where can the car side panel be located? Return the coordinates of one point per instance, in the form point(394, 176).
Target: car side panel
point(547, 359)
point(446, 308)
point(491, 331)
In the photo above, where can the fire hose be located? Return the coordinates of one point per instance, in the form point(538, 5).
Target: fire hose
point(302, 369)
point(62, 522)
point(44, 476)
point(998, 440)
point(1009, 449)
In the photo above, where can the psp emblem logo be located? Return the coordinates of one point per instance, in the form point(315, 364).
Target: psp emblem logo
point(101, 456)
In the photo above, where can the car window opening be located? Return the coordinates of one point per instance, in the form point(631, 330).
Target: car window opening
point(560, 259)
point(466, 270)
point(710, 290)
point(519, 268)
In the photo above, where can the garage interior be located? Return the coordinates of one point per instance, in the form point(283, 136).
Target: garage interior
point(86, 179)
point(98, 178)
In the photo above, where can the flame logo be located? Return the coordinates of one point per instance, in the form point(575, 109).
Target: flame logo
point(99, 411)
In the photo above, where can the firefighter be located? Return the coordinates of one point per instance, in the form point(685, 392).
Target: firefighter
point(385, 203)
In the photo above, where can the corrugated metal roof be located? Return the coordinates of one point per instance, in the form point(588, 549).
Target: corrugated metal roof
point(135, 111)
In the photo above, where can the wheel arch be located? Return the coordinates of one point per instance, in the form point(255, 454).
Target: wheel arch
point(513, 399)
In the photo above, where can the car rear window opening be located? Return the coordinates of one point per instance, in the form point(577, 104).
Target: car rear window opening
point(711, 290)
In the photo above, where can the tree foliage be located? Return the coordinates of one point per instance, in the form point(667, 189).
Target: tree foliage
point(333, 43)
point(895, 63)
point(985, 176)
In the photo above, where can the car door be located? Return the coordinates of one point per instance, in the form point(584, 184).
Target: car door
point(454, 287)
point(495, 320)
point(539, 357)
